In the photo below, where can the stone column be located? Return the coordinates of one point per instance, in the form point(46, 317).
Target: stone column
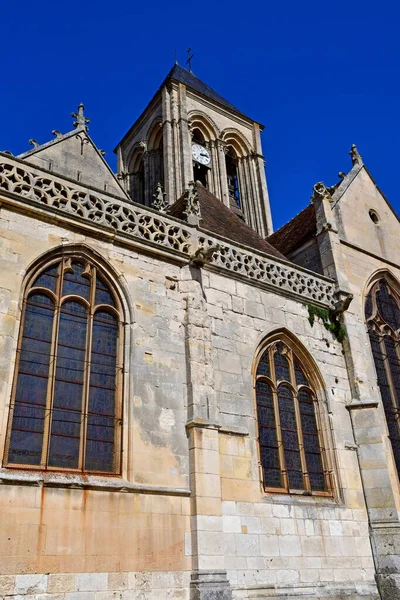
point(221, 146)
point(263, 197)
point(147, 190)
point(367, 416)
point(215, 169)
point(381, 501)
point(184, 139)
point(176, 145)
point(248, 204)
point(209, 578)
point(168, 147)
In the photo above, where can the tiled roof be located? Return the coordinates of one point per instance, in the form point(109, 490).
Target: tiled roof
point(219, 219)
point(186, 77)
point(296, 232)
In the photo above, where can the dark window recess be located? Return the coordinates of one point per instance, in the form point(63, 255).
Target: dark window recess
point(137, 184)
point(200, 173)
point(382, 311)
point(233, 181)
point(65, 412)
point(290, 438)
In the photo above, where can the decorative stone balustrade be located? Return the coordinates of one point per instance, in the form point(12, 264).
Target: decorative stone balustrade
point(27, 183)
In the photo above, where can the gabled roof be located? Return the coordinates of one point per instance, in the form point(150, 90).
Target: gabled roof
point(296, 232)
point(181, 75)
point(219, 219)
point(72, 153)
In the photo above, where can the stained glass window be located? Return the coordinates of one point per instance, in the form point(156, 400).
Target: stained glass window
point(291, 450)
point(66, 406)
point(382, 312)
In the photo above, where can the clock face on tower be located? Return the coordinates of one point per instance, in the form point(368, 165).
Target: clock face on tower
point(201, 154)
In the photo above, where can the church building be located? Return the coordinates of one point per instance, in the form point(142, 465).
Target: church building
point(192, 406)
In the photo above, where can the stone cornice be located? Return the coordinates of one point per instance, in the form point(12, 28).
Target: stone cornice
point(85, 482)
point(31, 188)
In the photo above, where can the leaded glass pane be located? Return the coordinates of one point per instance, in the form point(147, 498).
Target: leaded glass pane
point(76, 283)
point(68, 387)
point(31, 389)
point(385, 353)
point(267, 435)
point(263, 365)
point(387, 307)
point(103, 293)
point(282, 372)
point(394, 364)
point(301, 379)
point(48, 278)
point(290, 437)
point(311, 441)
point(102, 394)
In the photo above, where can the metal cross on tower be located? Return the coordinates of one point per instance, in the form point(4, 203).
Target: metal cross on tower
point(189, 60)
point(81, 121)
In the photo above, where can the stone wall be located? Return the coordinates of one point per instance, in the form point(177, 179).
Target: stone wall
point(190, 427)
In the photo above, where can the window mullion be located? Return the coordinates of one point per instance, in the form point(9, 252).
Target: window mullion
point(306, 478)
point(86, 381)
point(279, 439)
point(389, 379)
point(52, 370)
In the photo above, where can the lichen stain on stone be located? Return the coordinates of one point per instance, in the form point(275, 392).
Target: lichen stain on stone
point(147, 309)
point(155, 464)
point(167, 419)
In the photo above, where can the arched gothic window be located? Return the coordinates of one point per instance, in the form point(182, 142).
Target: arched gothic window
point(66, 399)
point(233, 180)
point(382, 311)
point(291, 449)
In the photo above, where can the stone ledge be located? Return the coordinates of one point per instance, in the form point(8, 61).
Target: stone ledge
point(85, 482)
point(227, 429)
point(360, 405)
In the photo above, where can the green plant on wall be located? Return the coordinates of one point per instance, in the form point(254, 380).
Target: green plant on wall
point(329, 319)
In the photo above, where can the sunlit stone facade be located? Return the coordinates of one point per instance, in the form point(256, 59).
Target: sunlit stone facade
point(188, 413)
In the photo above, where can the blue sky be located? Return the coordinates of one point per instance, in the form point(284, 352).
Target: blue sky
point(320, 76)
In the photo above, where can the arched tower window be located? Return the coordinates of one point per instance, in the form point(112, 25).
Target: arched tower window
point(200, 171)
point(292, 453)
point(66, 399)
point(382, 311)
point(233, 180)
point(138, 181)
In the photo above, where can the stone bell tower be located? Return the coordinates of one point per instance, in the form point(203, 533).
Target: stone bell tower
point(187, 133)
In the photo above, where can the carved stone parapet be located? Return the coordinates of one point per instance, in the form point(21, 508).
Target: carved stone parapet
point(33, 186)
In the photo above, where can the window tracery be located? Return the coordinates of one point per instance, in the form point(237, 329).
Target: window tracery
point(66, 401)
point(293, 459)
point(382, 311)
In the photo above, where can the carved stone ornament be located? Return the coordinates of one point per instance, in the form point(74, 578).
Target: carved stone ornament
point(81, 121)
point(192, 209)
point(202, 256)
point(356, 157)
point(321, 192)
point(30, 186)
point(160, 201)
